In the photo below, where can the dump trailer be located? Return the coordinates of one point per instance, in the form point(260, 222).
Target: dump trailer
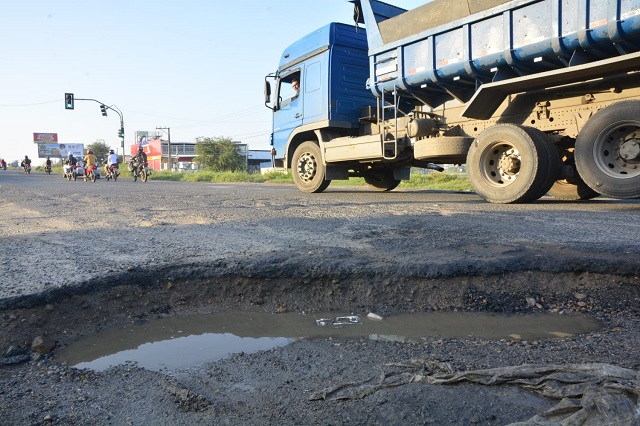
point(534, 96)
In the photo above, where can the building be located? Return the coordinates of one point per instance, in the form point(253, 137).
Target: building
point(183, 155)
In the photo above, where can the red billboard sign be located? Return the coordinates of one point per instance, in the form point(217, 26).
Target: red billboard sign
point(45, 138)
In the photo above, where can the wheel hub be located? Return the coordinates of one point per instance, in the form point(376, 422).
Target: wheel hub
point(509, 163)
point(630, 149)
point(616, 151)
point(307, 167)
point(501, 164)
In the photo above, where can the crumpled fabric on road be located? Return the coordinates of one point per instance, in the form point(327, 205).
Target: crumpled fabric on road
point(588, 394)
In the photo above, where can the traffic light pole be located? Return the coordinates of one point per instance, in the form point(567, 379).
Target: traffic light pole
point(103, 107)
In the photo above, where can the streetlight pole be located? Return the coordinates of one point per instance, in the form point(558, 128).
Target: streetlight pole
point(121, 132)
point(104, 107)
point(168, 129)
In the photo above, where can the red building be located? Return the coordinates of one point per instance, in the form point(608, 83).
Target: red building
point(183, 155)
point(157, 150)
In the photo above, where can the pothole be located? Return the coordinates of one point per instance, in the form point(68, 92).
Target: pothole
point(182, 342)
point(139, 300)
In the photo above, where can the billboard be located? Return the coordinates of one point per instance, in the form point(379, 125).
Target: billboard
point(60, 150)
point(141, 135)
point(153, 148)
point(45, 138)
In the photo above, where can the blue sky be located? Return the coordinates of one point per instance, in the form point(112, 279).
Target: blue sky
point(196, 66)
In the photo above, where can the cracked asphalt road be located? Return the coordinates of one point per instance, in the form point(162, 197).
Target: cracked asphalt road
point(78, 257)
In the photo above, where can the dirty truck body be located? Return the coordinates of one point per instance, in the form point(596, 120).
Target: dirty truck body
point(534, 96)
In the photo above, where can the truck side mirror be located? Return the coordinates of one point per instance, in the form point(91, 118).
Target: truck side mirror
point(267, 92)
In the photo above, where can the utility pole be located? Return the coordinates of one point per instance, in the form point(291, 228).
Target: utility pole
point(168, 129)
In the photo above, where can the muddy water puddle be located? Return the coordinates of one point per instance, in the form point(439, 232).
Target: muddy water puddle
point(181, 342)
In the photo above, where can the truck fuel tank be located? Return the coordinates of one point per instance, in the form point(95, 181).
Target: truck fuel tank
point(421, 127)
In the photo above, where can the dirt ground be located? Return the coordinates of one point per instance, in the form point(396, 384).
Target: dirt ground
point(146, 272)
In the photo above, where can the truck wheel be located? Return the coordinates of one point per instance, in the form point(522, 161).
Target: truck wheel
point(307, 168)
point(554, 162)
point(572, 188)
point(608, 151)
point(382, 180)
point(511, 164)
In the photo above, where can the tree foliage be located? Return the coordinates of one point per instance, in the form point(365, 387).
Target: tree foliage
point(220, 154)
point(100, 149)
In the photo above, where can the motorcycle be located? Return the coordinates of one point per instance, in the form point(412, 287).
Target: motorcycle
point(47, 169)
point(78, 170)
point(67, 171)
point(138, 170)
point(90, 173)
point(112, 172)
point(27, 168)
point(4, 165)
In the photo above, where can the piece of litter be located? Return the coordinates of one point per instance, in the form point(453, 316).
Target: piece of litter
point(337, 321)
point(373, 316)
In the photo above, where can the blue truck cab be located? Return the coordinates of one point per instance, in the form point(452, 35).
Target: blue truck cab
point(331, 66)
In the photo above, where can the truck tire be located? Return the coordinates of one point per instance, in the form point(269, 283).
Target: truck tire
point(511, 164)
point(443, 149)
point(307, 168)
point(572, 188)
point(608, 151)
point(554, 163)
point(382, 180)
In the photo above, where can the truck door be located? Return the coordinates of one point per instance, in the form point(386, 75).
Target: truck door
point(288, 115)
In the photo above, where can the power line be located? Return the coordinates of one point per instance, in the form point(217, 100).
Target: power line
point(33, 104)
point(198, 123)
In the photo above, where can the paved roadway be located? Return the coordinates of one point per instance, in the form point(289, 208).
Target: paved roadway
point(55, 233)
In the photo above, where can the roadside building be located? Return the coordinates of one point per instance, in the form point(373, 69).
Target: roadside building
point(183, 154)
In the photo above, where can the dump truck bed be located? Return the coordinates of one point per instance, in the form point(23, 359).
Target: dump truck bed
point(445, 50)
point(431, 15)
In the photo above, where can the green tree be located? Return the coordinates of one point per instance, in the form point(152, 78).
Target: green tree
point(100, 149)
point(219, 154)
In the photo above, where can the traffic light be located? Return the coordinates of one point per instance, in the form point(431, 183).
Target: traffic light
point(68, 101)
point(121, 132)
point(103, 108)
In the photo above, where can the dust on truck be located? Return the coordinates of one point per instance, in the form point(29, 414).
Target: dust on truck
point(534, 96)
